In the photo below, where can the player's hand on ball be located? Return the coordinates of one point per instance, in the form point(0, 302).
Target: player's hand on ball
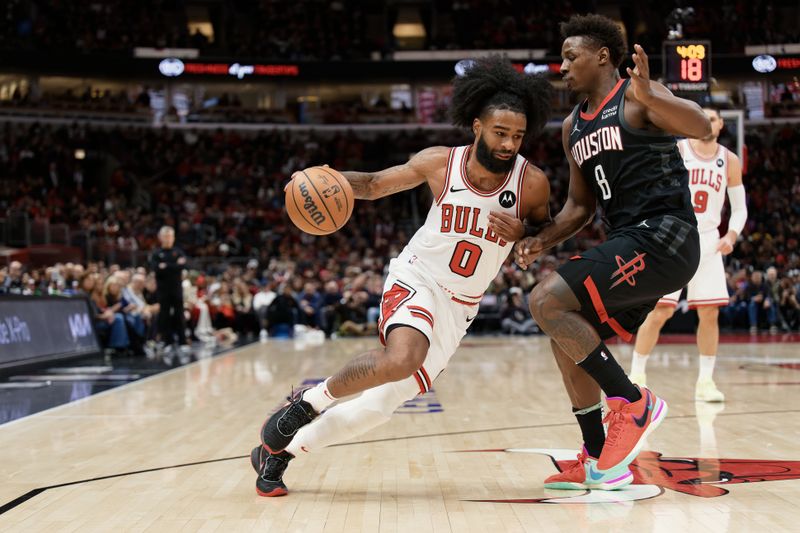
point(299, 172)
point(640, 75)
point(527, 250)
point(508, 227)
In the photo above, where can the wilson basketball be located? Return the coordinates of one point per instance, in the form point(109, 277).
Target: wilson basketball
point(319, 200)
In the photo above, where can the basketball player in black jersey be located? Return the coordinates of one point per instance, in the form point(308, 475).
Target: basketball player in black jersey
point(622, 152)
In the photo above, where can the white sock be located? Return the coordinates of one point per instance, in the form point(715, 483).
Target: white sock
point(639, 363)
point(352, 418)
point(319, 397)
point(706, 367)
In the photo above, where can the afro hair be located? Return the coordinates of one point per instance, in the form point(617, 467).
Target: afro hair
point(492, 83)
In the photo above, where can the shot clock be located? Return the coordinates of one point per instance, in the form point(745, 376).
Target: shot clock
point(687, 65)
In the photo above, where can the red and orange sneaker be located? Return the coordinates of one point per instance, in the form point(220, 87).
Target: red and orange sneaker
point(628, 425)
point(583, 474)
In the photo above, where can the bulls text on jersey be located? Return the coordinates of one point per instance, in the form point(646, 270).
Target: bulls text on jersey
point(704, 176)
point(463, 219)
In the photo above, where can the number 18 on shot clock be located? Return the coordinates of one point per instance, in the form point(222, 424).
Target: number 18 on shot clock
point(687, 65)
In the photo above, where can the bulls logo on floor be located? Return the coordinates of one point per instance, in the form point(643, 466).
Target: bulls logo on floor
point(652, 474)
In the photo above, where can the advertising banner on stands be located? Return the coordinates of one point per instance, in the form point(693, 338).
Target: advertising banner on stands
point(40, 329)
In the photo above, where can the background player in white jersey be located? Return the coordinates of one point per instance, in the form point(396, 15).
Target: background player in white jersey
point(482, 192)
point(712, 168)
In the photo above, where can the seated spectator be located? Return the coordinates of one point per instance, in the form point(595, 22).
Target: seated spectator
point(351, 315)
point(760, 306)
point(109, 324)
point(13, 282)
point(282, 312)
point(112, 294)
point(309, 302)
point(331, 299)
point(261, 302)
point(515, 318)
point(788, 304)
point(245, 321)
point(134, 293)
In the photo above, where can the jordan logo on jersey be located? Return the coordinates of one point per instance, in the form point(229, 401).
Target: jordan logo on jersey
point(627, 269)
point(588, 146)
point(462, 219)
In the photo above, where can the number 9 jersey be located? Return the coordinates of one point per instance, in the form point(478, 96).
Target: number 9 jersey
point(635, 174)
point(708, 182)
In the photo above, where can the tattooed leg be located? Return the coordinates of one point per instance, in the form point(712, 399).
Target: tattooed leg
point(404, 353)
point(555, 308)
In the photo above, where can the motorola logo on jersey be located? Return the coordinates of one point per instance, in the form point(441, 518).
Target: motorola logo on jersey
point(720, 162)
point(508, 199)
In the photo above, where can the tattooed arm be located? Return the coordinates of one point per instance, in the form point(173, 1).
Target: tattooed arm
point(426, 166)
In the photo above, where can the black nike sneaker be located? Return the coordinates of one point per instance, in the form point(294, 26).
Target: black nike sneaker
point(279, 429)
point(270, 472)
point(257, 457)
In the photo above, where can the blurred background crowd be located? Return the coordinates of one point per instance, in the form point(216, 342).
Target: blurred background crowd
point(252, 273)
point(357, 29)
point(100, 148)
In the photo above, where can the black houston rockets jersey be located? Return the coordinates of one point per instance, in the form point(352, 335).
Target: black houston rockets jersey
point(636, 174)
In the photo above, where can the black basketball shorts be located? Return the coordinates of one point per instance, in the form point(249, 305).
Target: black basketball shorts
point(620, 281)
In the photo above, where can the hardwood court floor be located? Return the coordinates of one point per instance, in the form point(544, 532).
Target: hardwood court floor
point(169, 453)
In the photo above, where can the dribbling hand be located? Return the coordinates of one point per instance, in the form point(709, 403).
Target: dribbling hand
point(527, 250)
point(298, 172)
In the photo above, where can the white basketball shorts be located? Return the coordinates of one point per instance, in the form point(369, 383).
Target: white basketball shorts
point(411, 298)
point(708, 286)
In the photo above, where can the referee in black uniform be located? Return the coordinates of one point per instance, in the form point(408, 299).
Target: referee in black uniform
point(168, 263)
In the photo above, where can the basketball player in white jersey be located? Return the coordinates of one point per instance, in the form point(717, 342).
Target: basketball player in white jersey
point(712, 169)
point(481, 192)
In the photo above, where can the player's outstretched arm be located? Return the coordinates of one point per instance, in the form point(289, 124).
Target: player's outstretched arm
point(738, 205)
point(425, 165)
point(578, 211)
point(665, 110)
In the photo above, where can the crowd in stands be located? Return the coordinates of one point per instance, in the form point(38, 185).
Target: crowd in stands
point(134, 103)
point(279, 300)
point(223, 193)
point(359, 29)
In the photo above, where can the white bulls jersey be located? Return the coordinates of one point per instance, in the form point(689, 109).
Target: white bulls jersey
point(455, 246)
point(708, 182)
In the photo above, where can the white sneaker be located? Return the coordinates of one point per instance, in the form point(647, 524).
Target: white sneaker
point(707, 391)
point(639, 379)
point(263, 336)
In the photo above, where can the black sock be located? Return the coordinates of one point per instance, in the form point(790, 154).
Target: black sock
point(605, 370)
point(591, 424)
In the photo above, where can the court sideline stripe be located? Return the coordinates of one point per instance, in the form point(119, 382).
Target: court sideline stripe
point(226, 352)
point(35, 492)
